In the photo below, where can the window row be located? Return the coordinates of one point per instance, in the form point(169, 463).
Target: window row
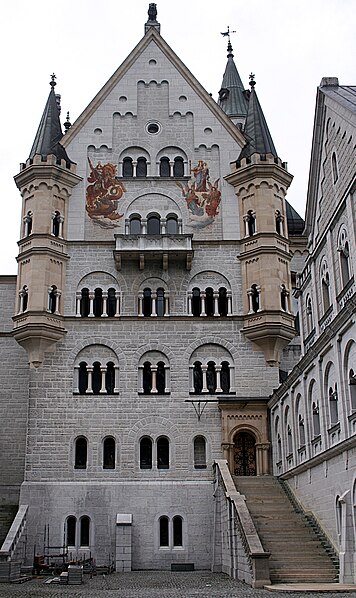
point(153, 378)
point(152, 454)
point(154, 224)
point(165, 168)
point(56, 224)
point(251, 223)
point(53, 299)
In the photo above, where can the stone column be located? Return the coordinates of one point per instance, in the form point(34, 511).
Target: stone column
point(166, 303)
point(91, 304)
point(171, 166)
point(154, 379)
point(218, 381)
point(163, 226)
point(78, 297)
point(190, 295)
point(204, 370)
point(140, 303)
point(134, 168)
point(143, 226)
point(57, 294)
point(127, 226)
point(116, 387)
point(202, 296)
point(216, 303)
point(140, 379)
point(191, 378)
point(90, 380)
point(180, 226)
point(76, 379)
point(118, 304)
point(103, 372)
point(167, 377)
point(154, 301)
point(229, 303)
point(105, 305)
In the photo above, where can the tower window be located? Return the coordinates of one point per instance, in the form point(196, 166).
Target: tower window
point(28, 220)
point(279, 223)
point(141, 168)
point(344, 259)
point(56, 224)
point(109, 453)
point(334, 415)
point(284, 298)
point(127, 168)
point(316, 419)
point(163, 531)
point(52, 299)
point(81, 450)
point(153, 225)
point(71, 531)
point(146, 453)
point(164, 167)
point(23, 298)
point(255, 298)
point(250, 223)
point(178, 167)
point(84, 531)
point(301, 431)
point(199, 452)
point(325, 284)
point(177, 531)
point(162, 453)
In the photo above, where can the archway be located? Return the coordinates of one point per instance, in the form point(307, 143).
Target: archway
point(245, 454)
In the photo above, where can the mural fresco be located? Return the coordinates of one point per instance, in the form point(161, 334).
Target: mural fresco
point(103, 195)
point(202, 197)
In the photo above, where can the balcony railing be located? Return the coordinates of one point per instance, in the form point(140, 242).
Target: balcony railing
point(148, 248)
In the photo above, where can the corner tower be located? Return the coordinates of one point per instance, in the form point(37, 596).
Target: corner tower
point(261, 181)
point(45, 182)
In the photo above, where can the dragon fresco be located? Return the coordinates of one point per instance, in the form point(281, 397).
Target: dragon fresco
point(103, 195)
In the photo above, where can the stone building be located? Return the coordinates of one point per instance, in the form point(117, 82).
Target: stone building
point(155, 304)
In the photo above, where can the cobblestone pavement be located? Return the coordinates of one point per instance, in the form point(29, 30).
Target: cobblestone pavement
point(151, 584)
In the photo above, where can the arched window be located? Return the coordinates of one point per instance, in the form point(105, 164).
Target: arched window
point(98, 303)
point(110, 378)
point(309, 310)
point(279, 448)
point(196, 302)
point(334, 167)
point(316, 419)
point(28, 223)
point(153, 225)
point(301, 430)
point(127, 167)
point(199, 452)
point(344, 262)
point(71, 525)
point(162, 453)
point(284, 296)
point(135, 225)
point(147, 302)
point(111, 303)
point(160, 302)
point(109, 453)
point(279, 221)
point(225, 377)
point(56, 224)
point(209, 301)
point(251, 223)
point(164, 167)
point(84, 303)
point(211, 377)
point(352, 383)
point(255, 298)
point(161, 378)
point(81, 451)
point(146, 453)
point(177, 531)
point(178, 167)
point(172, 225)
point(289, 440)
point(141, 168)
point(83, 378)
point(52, 299)
point(334, 412)
point(24, 298)
point(84, 531)
point(325, 291)
point(197, 378)
point(96, 378)
point(222, 302)
point(147, 378)
point(163, 531)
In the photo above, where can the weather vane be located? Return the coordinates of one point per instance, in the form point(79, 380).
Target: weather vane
point(227, 33)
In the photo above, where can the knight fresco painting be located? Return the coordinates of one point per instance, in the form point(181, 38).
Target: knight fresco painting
point(202, 197)
point(103, 195)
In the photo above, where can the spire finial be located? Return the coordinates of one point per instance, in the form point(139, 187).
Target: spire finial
point(252, 80)
point(152, 12)
point(67, 125)
point(229, 46)
point(53, 81)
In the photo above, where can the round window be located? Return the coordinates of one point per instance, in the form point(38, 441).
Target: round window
point(153, 128)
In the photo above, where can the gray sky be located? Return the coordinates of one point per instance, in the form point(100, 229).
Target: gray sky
point(289, 45)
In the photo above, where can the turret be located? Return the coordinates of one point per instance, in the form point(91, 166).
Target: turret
point(261, 181)
point(232, 97)
point(45, 182)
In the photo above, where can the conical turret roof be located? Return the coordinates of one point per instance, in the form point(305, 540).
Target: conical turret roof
point(231, 95)
point(256, 131)
point(49, 132)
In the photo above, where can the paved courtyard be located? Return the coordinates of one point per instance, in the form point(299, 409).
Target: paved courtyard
point(151, 584)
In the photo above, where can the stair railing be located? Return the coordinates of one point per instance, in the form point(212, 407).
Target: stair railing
point(237, 547)
point(14, 536)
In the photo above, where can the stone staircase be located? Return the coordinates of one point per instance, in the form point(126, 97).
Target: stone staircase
point(299, 552)
point(7, 515)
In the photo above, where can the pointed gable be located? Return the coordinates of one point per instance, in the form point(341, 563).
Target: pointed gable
point(153, 37)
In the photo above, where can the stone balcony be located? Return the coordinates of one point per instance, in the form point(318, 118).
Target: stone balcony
point(145, 249)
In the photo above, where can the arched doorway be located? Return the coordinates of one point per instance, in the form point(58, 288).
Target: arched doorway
point(245, 454)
